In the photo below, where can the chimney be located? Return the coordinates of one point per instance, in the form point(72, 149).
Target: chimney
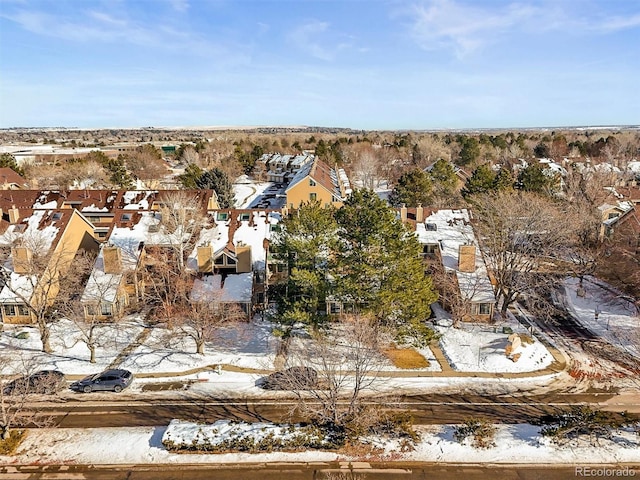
point(21, 259)
point(467, 258)
point(212, 203)
point(243, 254)
point(419, 213)
point(112, 258)
point(205, 258)
point(403, 213)
point(14, 214)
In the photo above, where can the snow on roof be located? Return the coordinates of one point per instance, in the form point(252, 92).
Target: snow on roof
point(450, 229)
point(18, 288)
point(92, 208)
point(237, 288)
point(45, 206)
point(34, 237)
point(300, 175)
point(218, 236)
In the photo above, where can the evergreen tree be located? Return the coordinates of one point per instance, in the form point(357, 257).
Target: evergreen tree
point(9, 161)
point(470, 150)
point(503, 180)
point(378, 266)
point(304, 244)
point(118, 172)
point(218, 180)
point(190, 176)
point(480, 181)
point(444, 178)
point(413, 187)
point(534, 179)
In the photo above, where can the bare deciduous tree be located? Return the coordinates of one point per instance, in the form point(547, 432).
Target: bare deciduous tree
point(523, 237)
point(16, 394)
point(348, 364)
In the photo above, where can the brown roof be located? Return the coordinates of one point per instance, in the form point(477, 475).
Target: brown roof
point(9, 176)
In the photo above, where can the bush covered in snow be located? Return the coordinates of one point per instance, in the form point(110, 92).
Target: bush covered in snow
point(582, 422)
point(228, 436)
point(481, 432)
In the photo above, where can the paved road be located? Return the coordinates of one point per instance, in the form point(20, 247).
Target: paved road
point(426, 409)
point(313, 471)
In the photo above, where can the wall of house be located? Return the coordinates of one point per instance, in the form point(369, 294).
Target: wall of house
point(301, 193)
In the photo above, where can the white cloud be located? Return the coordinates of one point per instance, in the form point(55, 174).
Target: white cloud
point(179, 5)
point(468, 27)
point(306, 38)
point(445, 23)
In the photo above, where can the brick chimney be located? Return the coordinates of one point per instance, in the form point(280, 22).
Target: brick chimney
point(112, 258)
point(419, 213)
point(467, 258)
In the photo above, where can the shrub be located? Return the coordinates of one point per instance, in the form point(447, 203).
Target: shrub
point(581, 421)
point(11, 444)
point(481, 431)
point(526, 339)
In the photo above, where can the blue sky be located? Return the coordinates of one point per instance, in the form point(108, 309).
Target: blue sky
point(372, 64)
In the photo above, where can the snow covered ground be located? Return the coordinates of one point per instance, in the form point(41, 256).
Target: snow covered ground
point(618, 322)
point(481, 348)
point(514, 444)
point(247, 191)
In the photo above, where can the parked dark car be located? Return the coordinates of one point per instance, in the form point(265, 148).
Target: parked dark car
point(114, 380)
point(293, 378)
point(43, 381)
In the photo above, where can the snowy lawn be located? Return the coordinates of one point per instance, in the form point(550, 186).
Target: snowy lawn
point(481, 348)
point(618, 322)
point(70, 355)
point(514, 444)
point(248, 191)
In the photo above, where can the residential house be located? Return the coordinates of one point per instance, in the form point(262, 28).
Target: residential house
point(621, 265)
point(137, 225)
point(39, 247)
point(234, 248)
point(317, 181)
point(447, 237)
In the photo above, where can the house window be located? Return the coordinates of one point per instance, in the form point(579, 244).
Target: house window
point(334, 308)
point(313, 197)
point(105, 308)
point(245, 216)
point(280, 267)
point(23, 310)
point(219, 260)
point(484, 308)
point(613, 215)
point(10, 310)
point(312, 182)
point(429, 249)
point(222, 216)
point(274, 228)
point(431, 227)
point(125, 217)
